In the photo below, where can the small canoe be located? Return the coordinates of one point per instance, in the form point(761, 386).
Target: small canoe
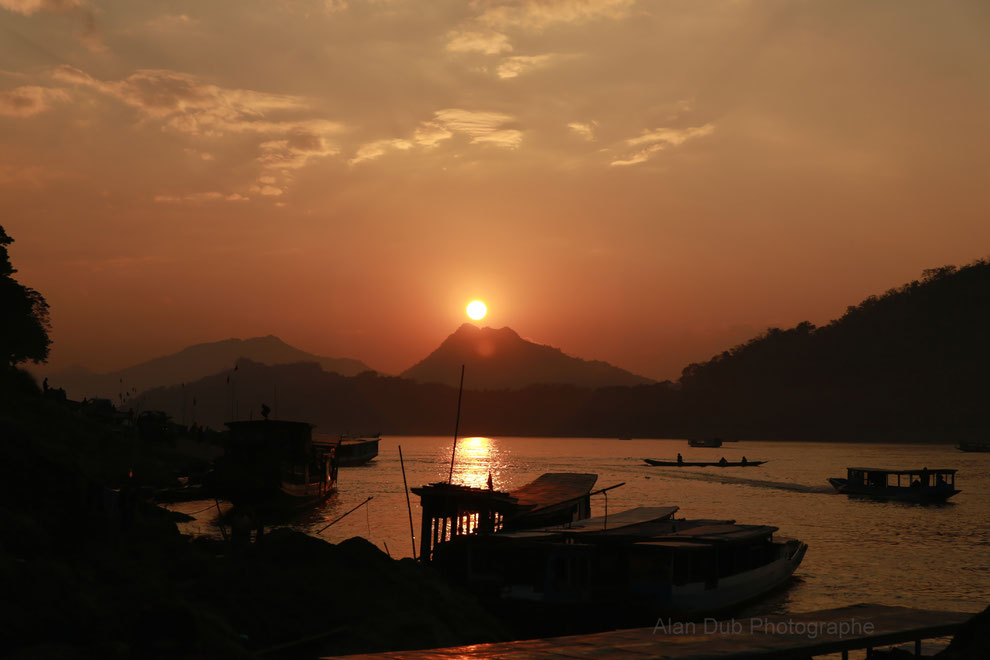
point(650, 461)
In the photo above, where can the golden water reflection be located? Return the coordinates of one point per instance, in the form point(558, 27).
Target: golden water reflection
point(476, 458)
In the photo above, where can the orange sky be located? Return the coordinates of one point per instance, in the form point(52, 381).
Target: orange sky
point(645, 183)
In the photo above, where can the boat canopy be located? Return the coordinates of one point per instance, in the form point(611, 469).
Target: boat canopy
point(917, 472)
point(554, 488)
point(717, 533)
point(622, 520)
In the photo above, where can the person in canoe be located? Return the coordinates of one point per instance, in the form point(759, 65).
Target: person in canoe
point(722, 461)
point(680, 459)
point(744, 460)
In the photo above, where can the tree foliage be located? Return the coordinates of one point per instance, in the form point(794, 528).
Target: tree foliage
point(24, 320)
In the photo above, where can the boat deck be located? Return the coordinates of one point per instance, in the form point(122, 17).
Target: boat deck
point(781, 636)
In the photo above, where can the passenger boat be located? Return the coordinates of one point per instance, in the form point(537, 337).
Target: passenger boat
point(922, 485)
point(981, 447)
point(705, 442)
point(274, 464)
point(356, 450)
point(651, 461)
point(643, 561)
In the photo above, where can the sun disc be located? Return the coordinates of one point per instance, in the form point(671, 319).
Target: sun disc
point(476, 310)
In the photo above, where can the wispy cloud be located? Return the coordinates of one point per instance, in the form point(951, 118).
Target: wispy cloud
point(482, 127)
point(200, 197)
point(29, 100)
point(651, 142)
point(517, 65)
point(28, 7)
point(585, 130)
point(488, 43)
point(540, 14)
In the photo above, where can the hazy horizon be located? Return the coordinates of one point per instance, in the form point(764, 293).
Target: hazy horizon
point(642, 183)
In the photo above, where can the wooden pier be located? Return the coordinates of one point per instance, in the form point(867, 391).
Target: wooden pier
point(803, 635)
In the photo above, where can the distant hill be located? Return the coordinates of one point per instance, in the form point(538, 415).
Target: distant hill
point(501, 359)
point(911, 364)
point(192, 363)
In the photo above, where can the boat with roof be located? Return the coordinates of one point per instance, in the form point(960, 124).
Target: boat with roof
point(914, 485)
point(538, 546)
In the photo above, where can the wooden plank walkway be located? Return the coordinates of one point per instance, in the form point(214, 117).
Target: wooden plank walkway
point(771, 637)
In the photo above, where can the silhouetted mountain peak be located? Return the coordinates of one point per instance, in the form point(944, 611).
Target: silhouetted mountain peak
point(501, 359)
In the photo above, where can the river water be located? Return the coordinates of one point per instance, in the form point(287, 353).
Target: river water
point(860, 550)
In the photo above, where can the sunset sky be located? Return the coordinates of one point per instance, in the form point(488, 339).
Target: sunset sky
point(645, 183)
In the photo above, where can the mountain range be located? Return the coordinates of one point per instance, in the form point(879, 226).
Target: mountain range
point(192, 363)
point(501, 359)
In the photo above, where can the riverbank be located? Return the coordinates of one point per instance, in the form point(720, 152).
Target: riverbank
point(88, 568)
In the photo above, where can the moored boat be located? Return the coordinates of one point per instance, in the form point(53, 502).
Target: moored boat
point(639, 561)
point(971, 446)
point(657, 463)
point(922, 485)
point(356, 450)
point(274, 464)
point(705, 442)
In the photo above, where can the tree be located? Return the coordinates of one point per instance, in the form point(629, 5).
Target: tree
point(24, 320)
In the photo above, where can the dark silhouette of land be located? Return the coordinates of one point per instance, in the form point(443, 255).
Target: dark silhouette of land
point(910, 365)
point(501, 359)
point(190, 364)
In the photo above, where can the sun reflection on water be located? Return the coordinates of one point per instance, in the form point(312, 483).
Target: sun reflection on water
point(476, 458)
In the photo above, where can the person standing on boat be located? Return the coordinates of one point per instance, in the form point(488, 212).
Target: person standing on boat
point(680, 459)
point(722, 461)
point(744, 460)
point(924, 477)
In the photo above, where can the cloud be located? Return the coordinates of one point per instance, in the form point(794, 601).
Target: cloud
point(537, 15)
point(200, 197)
point(512, 67)
point(488, 43)
point(657, 140)
point(584, 129)
point(482, 127)
point(29, 100)
point(28, 7)
point(187, 104)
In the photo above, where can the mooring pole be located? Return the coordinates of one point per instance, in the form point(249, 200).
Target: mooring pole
point(405, 486)
point(457, 423)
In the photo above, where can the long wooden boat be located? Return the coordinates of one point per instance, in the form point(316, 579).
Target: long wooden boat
point(356, 450)
point(638, 561)
point(705, 442)
point(651, 461)
point(980, 447)
point(643, 560)
point(274, 464)
point(922, 485)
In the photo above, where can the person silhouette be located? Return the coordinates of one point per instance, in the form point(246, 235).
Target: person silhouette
point(680, 459)
point(744, 460)
point(722, 461)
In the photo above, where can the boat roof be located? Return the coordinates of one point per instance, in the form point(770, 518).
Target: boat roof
point(624, 519)
point(554, 488)
point(723, 532)
point(914, 471)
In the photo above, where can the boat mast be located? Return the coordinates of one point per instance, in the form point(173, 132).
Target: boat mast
point(457, 423)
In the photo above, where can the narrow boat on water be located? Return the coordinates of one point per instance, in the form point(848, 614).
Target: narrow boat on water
point(970, 446)
point(656, 463)
point(355, 449)
point(922, 485)
point(705, 442)
point(274, 464)
point(643, 561)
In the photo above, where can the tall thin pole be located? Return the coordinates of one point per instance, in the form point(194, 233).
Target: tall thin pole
point(457, 423)
point(412, 534)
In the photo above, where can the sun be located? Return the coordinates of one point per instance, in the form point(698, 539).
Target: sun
point(476, 310)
